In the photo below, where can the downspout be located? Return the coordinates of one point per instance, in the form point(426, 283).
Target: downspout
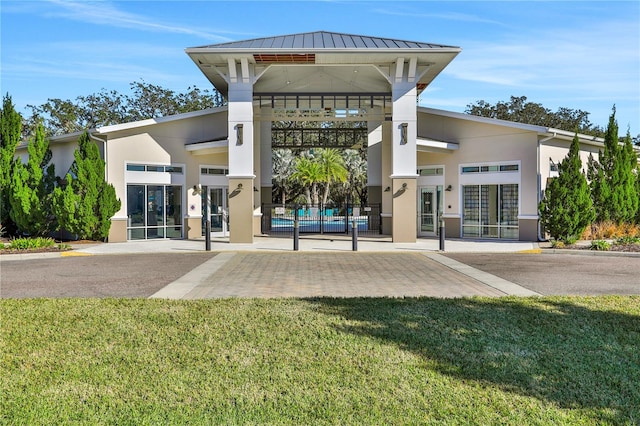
point(106, 168)
point(540, 141)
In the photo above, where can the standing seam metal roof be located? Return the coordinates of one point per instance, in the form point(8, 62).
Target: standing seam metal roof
point(324, 40)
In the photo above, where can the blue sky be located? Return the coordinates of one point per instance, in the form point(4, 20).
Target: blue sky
point(576, 54)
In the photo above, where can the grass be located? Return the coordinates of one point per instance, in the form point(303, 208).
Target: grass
point(552, 360)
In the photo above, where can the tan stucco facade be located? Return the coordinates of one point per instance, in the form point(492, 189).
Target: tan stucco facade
point(413, 152)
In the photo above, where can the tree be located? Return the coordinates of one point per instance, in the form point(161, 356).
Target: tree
point(10, 135)
point(282, 169)
point(567, 209)
point(629, 195)
point(613, 177)
point(86, 203)
point(309, 173)
point(517, 109)
point(31, 185)
point(357, 167)
point(110, 107)
point(333, 170)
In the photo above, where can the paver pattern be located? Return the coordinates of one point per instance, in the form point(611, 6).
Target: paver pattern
point(303, 274)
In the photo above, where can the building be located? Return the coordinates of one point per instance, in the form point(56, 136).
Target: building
point(482, 177)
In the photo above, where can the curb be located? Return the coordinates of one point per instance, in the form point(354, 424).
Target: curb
point(590, 252)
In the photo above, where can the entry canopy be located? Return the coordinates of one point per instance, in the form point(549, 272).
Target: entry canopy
point(321, 62)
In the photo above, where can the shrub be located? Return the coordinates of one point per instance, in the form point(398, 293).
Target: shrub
point(627, 240)
point(557, 244)
point(600, 245)
point(610, 230)
point(30, 243)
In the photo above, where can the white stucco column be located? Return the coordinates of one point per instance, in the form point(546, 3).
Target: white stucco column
point(374, 166)
point(404, 154)
point(241, 155)
point(266, 161)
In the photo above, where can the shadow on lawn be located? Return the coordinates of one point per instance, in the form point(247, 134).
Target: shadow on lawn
point(551, 349)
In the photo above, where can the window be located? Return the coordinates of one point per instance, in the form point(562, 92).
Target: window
point(490, 211)
point(154, 168)
point(431, 171)
point(490, 169)
point(213, 171)
point(154, 211)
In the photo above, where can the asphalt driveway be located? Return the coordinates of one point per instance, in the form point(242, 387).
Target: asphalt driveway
point(561, 274)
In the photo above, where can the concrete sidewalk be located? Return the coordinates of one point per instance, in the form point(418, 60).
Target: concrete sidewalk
point(308, 244)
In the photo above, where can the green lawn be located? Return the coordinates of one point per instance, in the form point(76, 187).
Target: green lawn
point(552, 360)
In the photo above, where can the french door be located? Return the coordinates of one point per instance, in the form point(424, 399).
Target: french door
point(217, 210)
point(429, 207)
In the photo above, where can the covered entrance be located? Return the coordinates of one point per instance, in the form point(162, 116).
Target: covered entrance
point(323, 77)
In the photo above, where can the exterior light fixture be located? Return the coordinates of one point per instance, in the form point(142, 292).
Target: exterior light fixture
point(255, 189)
point(404, 186)
point(449, 188)
point(239, 131)
point(239, 188)
point(387, 189)
point(403, 133)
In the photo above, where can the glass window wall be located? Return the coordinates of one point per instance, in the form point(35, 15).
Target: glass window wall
point(154, 211)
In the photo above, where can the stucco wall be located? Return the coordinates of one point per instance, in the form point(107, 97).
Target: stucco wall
point(164, 143)
point(480, 143)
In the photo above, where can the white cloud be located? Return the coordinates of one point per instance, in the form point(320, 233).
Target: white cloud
point(448, 16)
point(600, 61)
point(105, 13)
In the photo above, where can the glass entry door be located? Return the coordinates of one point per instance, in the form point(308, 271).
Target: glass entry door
point(429, 205)
point(218, 211)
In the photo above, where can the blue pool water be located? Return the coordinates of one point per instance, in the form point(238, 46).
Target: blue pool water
point(313, 225)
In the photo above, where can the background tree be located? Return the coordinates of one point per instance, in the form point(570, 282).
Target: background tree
point(519, 110)
point(567, 209)
point(356, 164)
point(281, 171)
point(110, 107)
point(31, 186)
point(10, 136)
point(86, 203)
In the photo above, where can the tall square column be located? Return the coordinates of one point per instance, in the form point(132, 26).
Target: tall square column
point(241, 160)
point(404, 156)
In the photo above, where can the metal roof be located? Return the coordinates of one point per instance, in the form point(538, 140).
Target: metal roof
point(324, 40)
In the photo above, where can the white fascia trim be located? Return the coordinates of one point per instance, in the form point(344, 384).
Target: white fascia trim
point(546, 131)
point(528, 217)
point(432, 143)
point(241, 176)
point(319, 50)
point(486, 120)
point(224, 144)
point(151, 121)
point(404, 176)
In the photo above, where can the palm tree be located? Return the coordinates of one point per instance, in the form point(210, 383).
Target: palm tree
point(333, 169)
point(309, 173)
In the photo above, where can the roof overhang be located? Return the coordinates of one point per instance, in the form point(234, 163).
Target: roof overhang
point(432, 145)
point(209, 147)
point(321, 62)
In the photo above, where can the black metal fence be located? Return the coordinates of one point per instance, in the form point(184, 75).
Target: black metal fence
point(278, 219)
